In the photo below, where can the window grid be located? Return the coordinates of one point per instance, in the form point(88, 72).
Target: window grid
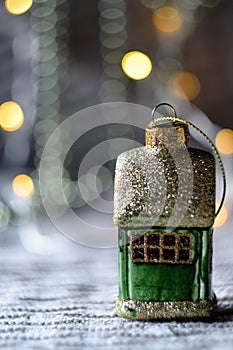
point(161, 247)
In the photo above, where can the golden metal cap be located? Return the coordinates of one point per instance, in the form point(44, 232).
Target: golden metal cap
point(167, 134)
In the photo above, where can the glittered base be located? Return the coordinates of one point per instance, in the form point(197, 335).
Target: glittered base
point(151, 310)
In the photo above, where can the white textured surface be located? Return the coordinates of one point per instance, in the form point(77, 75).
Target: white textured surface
point(70, 301)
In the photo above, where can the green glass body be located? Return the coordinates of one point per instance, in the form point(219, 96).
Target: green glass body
point(165, 281)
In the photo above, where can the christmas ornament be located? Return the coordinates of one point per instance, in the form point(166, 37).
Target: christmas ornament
point(164, 207)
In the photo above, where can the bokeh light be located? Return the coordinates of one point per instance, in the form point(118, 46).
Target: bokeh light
point(136, 65)
point(208, 3)
point(167, 19)
point(23, 186)
point(221, 218)
point(11, 116)
point(224, 141)
point(185, 85)
point(153, 4)
point(4, 216)
point(17, 7)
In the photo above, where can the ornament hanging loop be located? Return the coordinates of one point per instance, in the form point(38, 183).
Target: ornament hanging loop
point(160, 105)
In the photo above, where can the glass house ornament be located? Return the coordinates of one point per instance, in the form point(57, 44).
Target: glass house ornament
point(164, 207)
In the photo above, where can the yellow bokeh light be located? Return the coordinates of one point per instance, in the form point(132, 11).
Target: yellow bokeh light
point(224, 141)
point(136, 65)
point(186, 85)
point(11, 116)
point(167, 19)
point(23, 186)
point(221, 218)
point(17, 7)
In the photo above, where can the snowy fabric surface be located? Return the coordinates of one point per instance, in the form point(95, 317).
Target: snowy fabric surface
point(67, 302)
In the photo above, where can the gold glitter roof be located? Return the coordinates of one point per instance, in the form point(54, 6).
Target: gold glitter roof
point(165, 187)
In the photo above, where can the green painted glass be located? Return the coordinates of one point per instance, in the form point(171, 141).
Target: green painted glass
point(165, 281)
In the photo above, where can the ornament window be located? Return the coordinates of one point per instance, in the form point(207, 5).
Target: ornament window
point(159, 247)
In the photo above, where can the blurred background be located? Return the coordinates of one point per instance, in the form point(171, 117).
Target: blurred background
point(58, 57)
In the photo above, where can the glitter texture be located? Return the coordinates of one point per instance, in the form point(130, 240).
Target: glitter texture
point(142, 310)
point(161, 186)
point(167, 135)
